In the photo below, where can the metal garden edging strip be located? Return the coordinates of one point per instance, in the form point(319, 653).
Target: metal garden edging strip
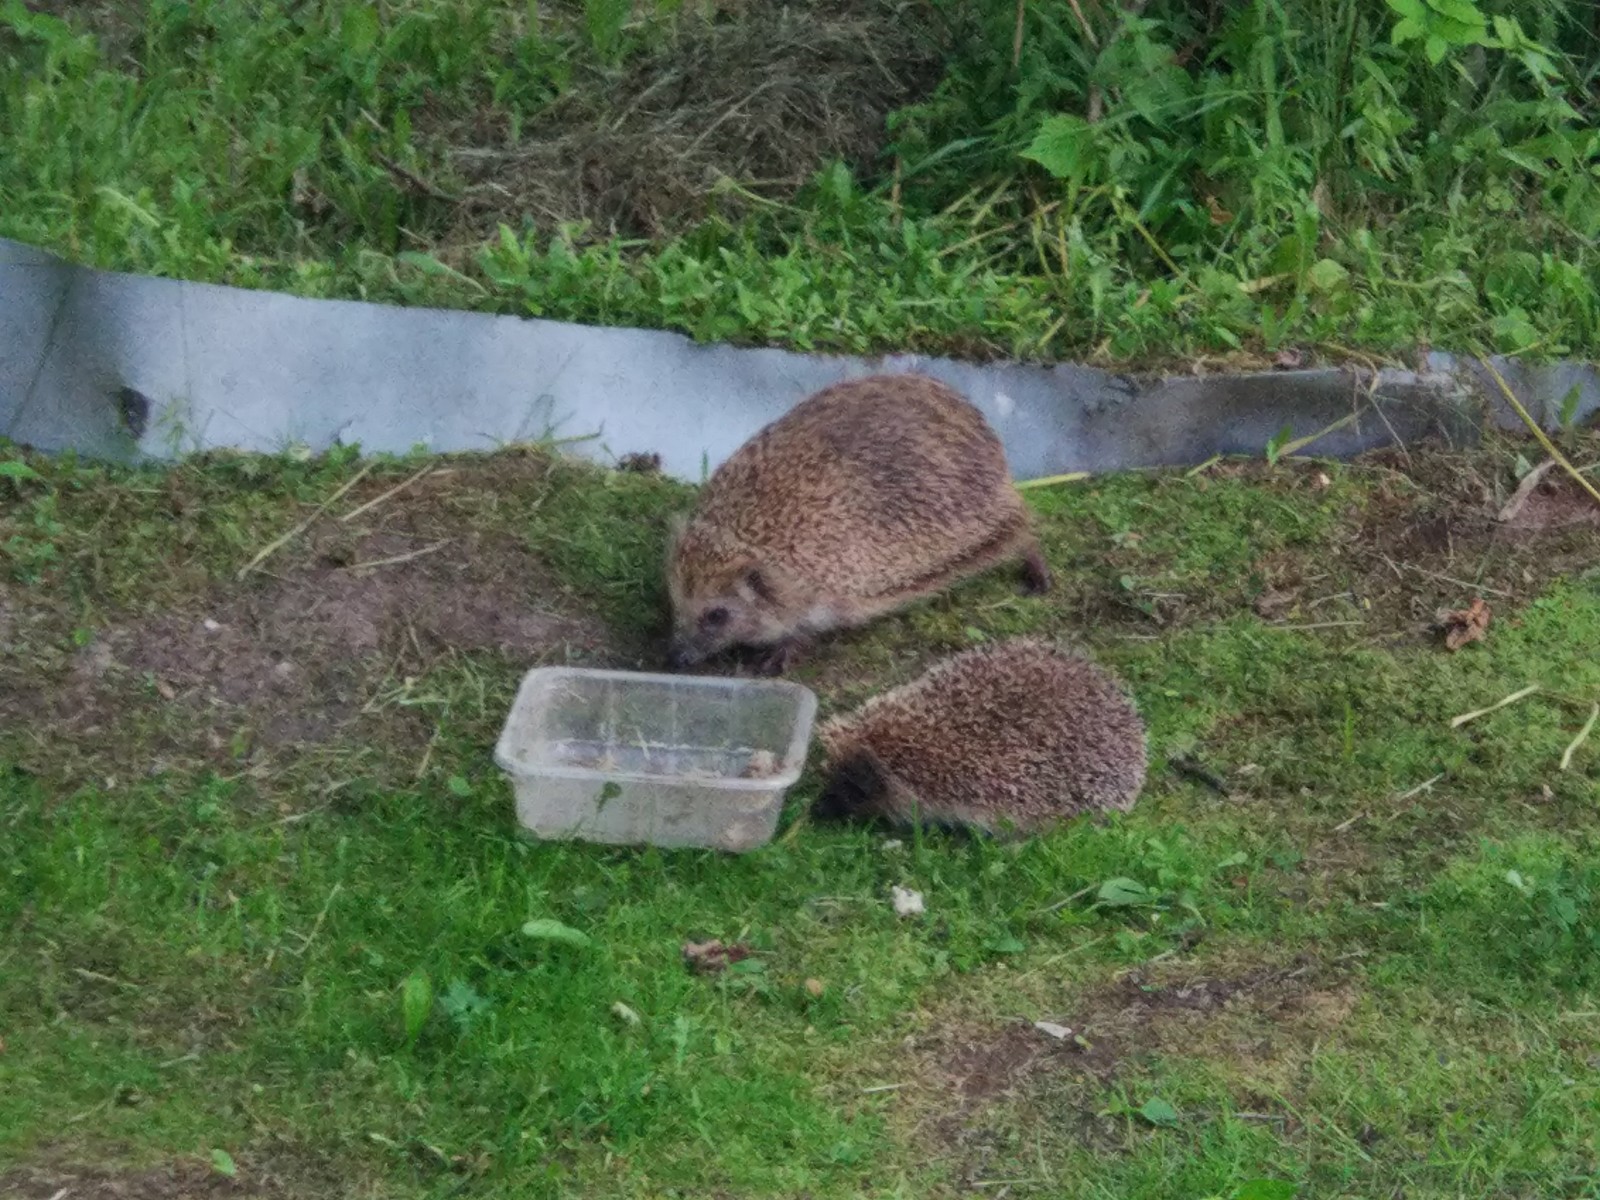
point(127, 367)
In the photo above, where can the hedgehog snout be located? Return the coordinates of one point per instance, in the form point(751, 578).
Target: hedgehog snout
point(854, 785)
point(682, 653)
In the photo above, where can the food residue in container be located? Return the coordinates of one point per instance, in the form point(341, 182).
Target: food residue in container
point(762, 764)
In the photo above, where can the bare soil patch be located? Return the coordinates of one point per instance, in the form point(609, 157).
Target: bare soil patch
point(177, 1180)
point(761, 96)
point(295, 655)
point(1256, 1024)
point(1428, 538)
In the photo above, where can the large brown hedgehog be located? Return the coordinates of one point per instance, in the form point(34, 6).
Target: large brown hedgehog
point(1009, 737)
point(867, 496)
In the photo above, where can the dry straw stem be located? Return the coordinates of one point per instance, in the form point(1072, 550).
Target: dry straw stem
point(1051, 480)
point(394, 559)
point(273, 547)
point(394, 491)
point(1583, 735)
point(766, 100)
point(1457, 722)
point(1538, 431)
point(1299, 444)
point(1519, 498)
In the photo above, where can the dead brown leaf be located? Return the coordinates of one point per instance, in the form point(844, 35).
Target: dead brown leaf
point(707, 958)
point(1470, 624)
point(1271, 604)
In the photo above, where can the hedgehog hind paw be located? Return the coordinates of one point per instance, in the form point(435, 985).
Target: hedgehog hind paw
point(781, 658)
point(1036, 579)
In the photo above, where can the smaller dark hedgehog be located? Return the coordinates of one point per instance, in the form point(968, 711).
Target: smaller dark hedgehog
point(1010, 737)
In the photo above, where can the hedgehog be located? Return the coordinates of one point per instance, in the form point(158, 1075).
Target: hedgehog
point(864, 498)
point(1007, 738)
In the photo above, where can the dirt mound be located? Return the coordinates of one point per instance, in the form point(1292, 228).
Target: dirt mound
point(297, 657)
point(763, 96)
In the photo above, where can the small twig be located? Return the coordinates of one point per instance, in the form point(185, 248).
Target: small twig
point(398, 558)
point(1477, 587)
point(316, 926)
point(1005, 1183)
point(1190, 769)
point(1457, 722)
point(427, 753)
point(883, 1087)
point(1016, 39)
point(406, 175)
point(1425, 785)
point(1059, 904)
point(1343, 825)
point(1583, 735)
point(1083, 23)
point(1317, 625)
point(394, 491)
point(97, 977)
point(1550, 447)
point(273, 547)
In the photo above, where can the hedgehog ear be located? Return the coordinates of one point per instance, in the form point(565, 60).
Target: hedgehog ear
point(677, 526)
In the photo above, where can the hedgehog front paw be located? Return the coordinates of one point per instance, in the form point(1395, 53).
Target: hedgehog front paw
point(781, 658)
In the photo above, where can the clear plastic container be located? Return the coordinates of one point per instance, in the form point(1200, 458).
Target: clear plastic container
point(667, 760)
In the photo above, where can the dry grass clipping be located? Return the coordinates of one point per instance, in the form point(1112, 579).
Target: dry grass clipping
point(763, 98)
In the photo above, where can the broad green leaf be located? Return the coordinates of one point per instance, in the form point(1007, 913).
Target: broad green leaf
point(1327, 276)
point(12, 469)
point(1158, 1112)
point(358, 29)
point(1121, 892)
point(416, 1003)
point(544, 929)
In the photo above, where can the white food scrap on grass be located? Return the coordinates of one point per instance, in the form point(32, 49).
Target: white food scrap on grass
point(907, 903)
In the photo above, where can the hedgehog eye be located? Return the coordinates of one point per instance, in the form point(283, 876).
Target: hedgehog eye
point(714, 618)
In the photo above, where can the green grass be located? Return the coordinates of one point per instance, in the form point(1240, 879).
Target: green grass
point(1198, 180)
point(211, 945)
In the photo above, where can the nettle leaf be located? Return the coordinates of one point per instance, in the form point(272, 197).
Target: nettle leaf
point(1405, 31)
point(1063, 146)
point(1463, 12)
point(1122, 893)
